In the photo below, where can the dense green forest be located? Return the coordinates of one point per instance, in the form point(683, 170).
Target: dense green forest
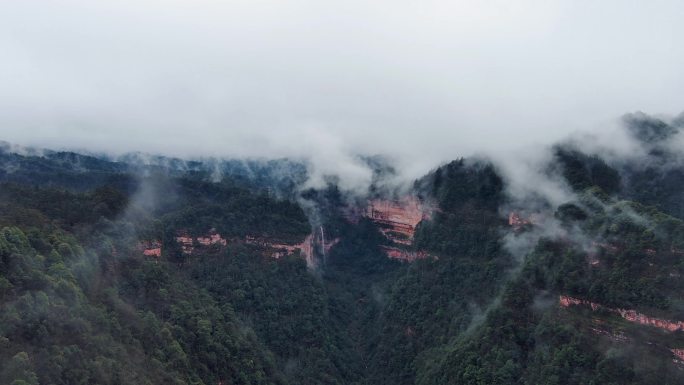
point(80, 302)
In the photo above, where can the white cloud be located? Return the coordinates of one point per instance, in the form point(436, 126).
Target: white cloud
point(424, 81)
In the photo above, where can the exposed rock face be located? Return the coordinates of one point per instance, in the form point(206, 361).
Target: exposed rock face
point(629, 315)
point(519, 221)
point(155, 252)
point(313, 245)
point(282, 249)
point(566, 301)
point(188, 243)
point(593, 259)
point(404, 255)
point(212, 239)
point(633, 316)
point(612, 249)
point(397, 218)
point(679, 353)
point(516, 221)
point(615, 337)
point(150, 248)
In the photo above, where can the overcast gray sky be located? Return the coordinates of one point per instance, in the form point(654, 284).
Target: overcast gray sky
point(426, 81)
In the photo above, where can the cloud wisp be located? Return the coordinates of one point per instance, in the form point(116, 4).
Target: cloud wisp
point(422, 82)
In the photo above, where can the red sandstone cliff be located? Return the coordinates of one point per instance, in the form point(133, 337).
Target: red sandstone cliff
point(629, 315)
point(315, 244)
point(611, 335)
point(278, 250)
point(519, 221)
point(150, 248)
point(679, 353)
point(404, 255)
point(397, 220)
point(619, 336)
point(189, 243)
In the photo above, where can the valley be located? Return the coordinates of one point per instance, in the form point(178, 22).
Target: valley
point(111, 275)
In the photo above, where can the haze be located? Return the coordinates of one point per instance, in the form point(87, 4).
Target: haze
point(421, 81)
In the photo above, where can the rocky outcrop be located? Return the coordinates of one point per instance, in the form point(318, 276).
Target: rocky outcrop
point(633, 316)
point(153, 252)
point(597, 248)
point(629, 315)
point(601, 327)
point(397, 219)
point(679, 353)
point(279, 250)
point(566, 301)
point(188, 243)
point(404, 255)
point(613, 336)
point(314, 245)
point(517, 222)
point(212, 239)
point(150, 248)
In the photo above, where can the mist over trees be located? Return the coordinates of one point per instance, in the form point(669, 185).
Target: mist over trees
point(85, 297)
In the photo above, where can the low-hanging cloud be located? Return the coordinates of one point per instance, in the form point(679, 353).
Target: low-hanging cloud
point(424, 82)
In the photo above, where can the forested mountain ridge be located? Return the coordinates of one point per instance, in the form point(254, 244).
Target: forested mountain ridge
point(118, 271)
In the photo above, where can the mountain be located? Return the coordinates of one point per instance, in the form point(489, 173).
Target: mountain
point(149, 269)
